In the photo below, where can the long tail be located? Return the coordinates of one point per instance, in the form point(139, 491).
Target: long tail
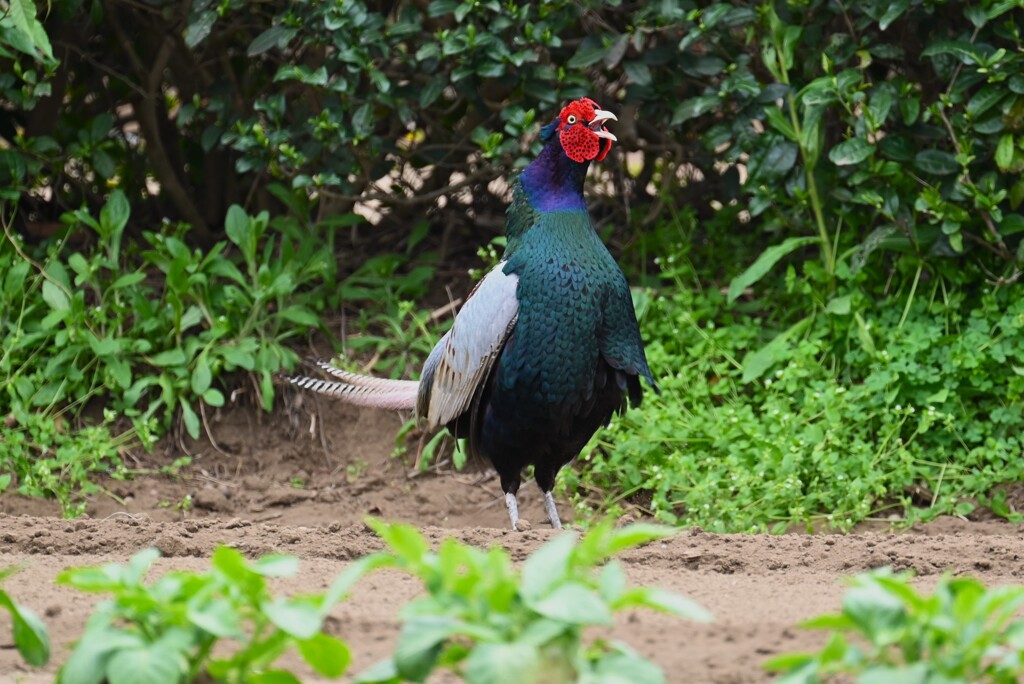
point(362, 390)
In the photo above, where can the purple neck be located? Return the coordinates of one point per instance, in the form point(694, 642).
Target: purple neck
point(553, 182)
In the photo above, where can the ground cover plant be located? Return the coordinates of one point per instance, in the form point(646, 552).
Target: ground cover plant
point(481, 618)
point(887, 631)
point(487, 622)
point(143, 327)
point(165, 632)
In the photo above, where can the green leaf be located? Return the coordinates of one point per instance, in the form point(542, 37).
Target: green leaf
point(188, 414)
point(586, 55)
point(201, 375)
point(275, 36)
point(300, 620)
point(664, 601)
point(273, 677)
point(87, 663)
point(624, 667)
point(893, 12)
point(915, 673)
point(276, 565)
point(787, 661)
point(362, 120)
point(169, 358)
point(128, 280)
point(218, 618)
point(352, 574)
point(326, 654)
point(878, 614)
point(238, 228)
point(432, 90)
point(55, 296)
point(381, 672)
point(839, 306)
point(114, 214)
point(300, 315)
point(547, 566)
point(439, 8)
point(936, 162)
point(764, 263)
point(961, 49)
point(638, 72)
point(756, 362)
point(985, 99)
point(852, 151)
point(575, 604)
point(150, 664)
point(637, 534)
point(1004, 152)
point(198, 30)
point(503, 664)
point(694, 107)
point(772, 160)
point(420, 643)
point(881, 103)
point(780, 122)
point(977, 15)
point(612, 581)
point(30, 635)
point(910, 108)
point(213, 397)
point(21, 16)
point(404, 540)
point(106, 346)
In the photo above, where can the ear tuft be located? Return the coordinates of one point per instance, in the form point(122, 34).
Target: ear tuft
point(547, 131)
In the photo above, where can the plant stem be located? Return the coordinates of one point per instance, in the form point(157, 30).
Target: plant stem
point(827, 253)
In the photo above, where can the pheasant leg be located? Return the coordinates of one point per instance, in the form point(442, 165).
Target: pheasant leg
point(513, 510)
point(552, 511)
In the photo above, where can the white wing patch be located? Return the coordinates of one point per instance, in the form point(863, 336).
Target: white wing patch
point(472, 345)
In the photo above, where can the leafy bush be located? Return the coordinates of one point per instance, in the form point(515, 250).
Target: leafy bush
point(909, 408)
point(488, 623)
point(889, 632)
point(146, 328)
point(165, 633)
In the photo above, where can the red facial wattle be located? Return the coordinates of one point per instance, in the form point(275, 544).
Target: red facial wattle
point(582, 133)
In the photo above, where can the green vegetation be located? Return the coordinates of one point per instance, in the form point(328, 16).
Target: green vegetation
point(481, 618)
point(889, 632)
point(144, 327)
point(166, 632)
point(487, 622)
point(30, 635)
point(823, 215)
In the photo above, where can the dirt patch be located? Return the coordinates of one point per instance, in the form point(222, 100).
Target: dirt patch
point(271, 487)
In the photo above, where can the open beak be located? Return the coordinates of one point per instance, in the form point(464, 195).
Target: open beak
point(597, 124)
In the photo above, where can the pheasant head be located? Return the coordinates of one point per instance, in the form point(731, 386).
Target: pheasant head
point(581, 131)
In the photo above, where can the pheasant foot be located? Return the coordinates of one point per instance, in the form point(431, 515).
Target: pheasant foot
point(552, 511)
point(513, 510)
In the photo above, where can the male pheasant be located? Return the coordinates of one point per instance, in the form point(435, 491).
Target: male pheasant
point(547, 346)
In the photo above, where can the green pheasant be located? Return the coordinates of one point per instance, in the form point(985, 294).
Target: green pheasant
point(547, 346)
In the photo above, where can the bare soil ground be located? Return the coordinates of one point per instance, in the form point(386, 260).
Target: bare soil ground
point(271, 487)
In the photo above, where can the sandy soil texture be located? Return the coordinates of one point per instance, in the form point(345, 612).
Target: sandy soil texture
point(271, 487)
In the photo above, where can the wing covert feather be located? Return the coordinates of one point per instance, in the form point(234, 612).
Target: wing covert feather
point(463, 359)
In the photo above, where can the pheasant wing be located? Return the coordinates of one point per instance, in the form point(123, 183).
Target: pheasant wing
point(462, 360)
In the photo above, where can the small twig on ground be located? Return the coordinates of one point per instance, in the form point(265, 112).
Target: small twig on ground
point(209, 432)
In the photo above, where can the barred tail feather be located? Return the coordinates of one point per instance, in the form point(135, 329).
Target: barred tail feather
point(366, 381)
point(383, 394)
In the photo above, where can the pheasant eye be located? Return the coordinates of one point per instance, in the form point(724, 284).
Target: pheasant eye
point(571, 119)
